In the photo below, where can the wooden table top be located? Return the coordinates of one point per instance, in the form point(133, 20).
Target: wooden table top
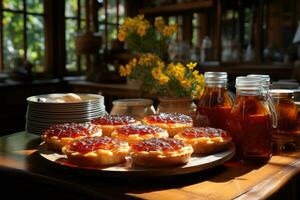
point(19, 156)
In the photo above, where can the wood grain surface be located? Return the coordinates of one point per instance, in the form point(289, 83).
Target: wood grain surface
point(233, 180)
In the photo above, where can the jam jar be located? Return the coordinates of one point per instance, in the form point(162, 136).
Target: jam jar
point(250, 123)
point(285, 135)
point(137, 108)
point(215, 103)
point(266, 82)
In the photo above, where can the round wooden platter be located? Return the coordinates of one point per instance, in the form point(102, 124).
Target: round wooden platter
point(127, 168)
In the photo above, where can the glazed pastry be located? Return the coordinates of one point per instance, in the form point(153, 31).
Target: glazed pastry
point(205, 140)
point(59, 135)
point(172, 122)
point(135, 133)
point(96, 151)
point(108, 123)
point(160, 152)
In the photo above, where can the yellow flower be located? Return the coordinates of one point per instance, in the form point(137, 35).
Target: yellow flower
point(133, 62)
point(141, 30)
point(163, 79)
point(159, 24)
point(121, 35)
point(160, 64)
point(156, 73)
point(122, 71)
point(186, 83)
point(125, 71)
point(169, 30)
point(191, 65)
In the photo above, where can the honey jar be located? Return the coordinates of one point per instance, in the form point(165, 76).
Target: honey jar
point(215, 103)
point(286, 134)
point(250, 123)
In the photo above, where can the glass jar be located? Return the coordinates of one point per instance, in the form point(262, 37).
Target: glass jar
point(285, 135)
point(215, 103)
point(266, 82)
point(286, 109)
point(183, 105)
point(137, 108)
point(250, 122)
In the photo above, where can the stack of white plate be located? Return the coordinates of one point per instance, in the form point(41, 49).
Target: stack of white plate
point(44, 110)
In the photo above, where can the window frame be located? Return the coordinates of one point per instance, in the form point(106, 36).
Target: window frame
point(24, 13)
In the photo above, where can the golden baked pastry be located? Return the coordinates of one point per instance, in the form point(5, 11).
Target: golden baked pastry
point(160, 152)
point(108, 123)
point(135, 133)
point(96, 151)
point(58, 135)
point(205, 140)
point(172, 122)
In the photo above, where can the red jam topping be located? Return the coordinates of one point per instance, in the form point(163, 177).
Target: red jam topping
point(169, 118)
point(72, 130)
point(90, 144)
point(158, 144)
point(114, 120)
point(139, 129)
point(198, 132)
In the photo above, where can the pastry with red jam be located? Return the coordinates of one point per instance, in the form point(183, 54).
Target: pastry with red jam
point(135, 133)
point(172, 122)
point(108, 123)
point(160, 152)
point(205, 140)
point(96, 151)
point(58, 135)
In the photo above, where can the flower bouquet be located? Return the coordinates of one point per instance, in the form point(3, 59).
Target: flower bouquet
point(150, 44)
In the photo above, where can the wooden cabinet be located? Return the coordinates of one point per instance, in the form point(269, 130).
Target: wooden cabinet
point(242, 31)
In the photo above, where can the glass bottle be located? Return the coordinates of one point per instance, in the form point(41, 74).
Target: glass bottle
point(250, 123)
point(215, 103)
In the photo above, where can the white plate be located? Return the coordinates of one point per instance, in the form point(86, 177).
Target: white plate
point(195, 164)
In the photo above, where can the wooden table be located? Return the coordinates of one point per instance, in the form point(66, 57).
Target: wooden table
point(21, 163)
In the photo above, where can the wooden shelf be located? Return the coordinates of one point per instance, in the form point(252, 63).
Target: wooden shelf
point(180, 7)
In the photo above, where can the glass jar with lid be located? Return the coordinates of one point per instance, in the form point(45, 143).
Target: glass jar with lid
point(250, 122)
point(215, 103)
point(286, 135)
point(266, 82)
point(137, 108)
point(287, 110)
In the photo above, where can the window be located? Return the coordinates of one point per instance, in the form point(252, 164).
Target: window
point(22, 36)
point(110, 17)
point(177, 20)
point(75, 25)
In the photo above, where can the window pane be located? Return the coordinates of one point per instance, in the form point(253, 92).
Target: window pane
point(195, 37)
point(82, 9)
point(112, 33)
point(71, 8)
point(172, 20)
point(121, 11)
point(36, 42)
point(111, 11)
point(13, 4)
point(13, 38)
point(71, 32)
point(101, 15)
point(35, 6)
point(195, 19)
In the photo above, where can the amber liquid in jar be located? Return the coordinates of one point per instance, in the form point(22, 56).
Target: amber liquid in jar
point(214, 108)
point(250, 126)
point(287, 112)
